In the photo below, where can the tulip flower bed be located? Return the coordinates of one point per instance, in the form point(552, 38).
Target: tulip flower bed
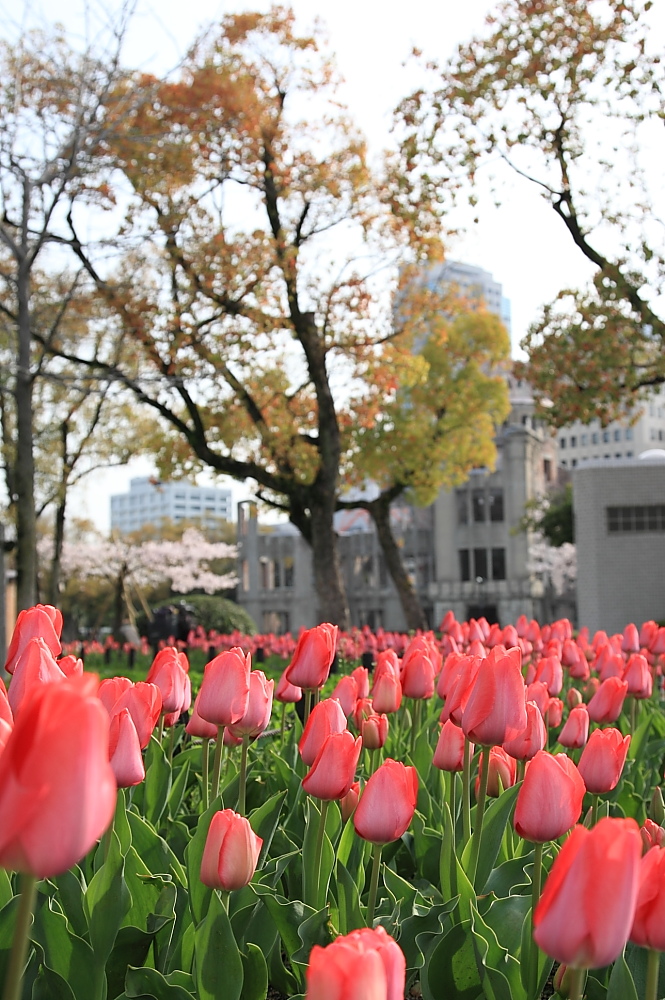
point(481, 811)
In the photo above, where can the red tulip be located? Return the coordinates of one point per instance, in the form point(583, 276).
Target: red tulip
point(532, 739)
point(449, 752)
point(41, 622)
point(313, 657)
point(387, 803)
point(554, 713)
point(6, 713)
point(224, 692)
point(374, 731)
point(387, 661)
point(71, 666)
point(5, 730)
point(346, 693)
point(35, 666)
point(361, 677)
point(417, 670)
point(607, 702)
point(496, 709)
point(125, 750)
point(325, 718)
point(652, 835)
point(366, 963)
point(550, 672)
point(110, 690)
point(648, 928)
point(332, 773)
point(460, 690)
point(287, 692)
point(575, 731)
point(587, 907)
point(169, 672)
point(449, 674)
point(602, 759)
point(502, 772)
point(549, 802)
point(537, 693)
point(144, 702)
point(196, 726)
point(259, 707)
point(638, 676)
point(231, 852)
point(364, 708)
point(350, 801)
point(57, 788)
point(573, 698)
point(386, 693)
point(630, 642)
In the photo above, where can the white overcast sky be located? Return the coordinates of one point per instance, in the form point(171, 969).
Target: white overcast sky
point(521, 242)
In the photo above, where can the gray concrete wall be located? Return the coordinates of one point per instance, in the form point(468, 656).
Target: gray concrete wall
point(620, 577)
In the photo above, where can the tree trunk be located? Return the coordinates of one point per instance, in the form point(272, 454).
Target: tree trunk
point(328, 579)
point(379, 510)
point(53, 592)
point(24, 473)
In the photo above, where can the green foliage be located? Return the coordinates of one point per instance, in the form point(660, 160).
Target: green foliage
point(221, 615)
point(552, 515)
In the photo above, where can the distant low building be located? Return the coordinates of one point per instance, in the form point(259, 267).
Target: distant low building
point(620, 531)
point(643, 429)
point(152, 502)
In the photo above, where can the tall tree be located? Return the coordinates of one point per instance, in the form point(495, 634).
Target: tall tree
point(435, 416)
point(569, 94)
point(253, 302)
point(54, 117)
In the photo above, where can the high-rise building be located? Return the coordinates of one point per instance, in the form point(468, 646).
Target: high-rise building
point(472, 282)
point(641, 431)
point(151, 502)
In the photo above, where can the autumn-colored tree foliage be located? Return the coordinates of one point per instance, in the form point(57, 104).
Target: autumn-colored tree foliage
point(435, 417)
point(568, 93)
point(250, 297)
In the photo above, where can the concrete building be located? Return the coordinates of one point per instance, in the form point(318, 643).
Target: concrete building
point(623, 439)
point(150, 501)
point(620, 530)
point(481, 556)
point(472, 282)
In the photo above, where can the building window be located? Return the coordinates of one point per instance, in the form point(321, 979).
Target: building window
point(617, 435)
point(277, 574)
point(628, 519)
point(495, 498)
point(464, 565)
point(478, 504)
point(547, 469)
point(266, 573)
point(574, 463)
point(288, 571)
point(629, 433)
point(562, 442)
point(583, 440)
point(462, 500)
point(573, 441)
point(480, 563)
point(594, 438)
point(245, 575)
point(606, 436)
point(498, 564)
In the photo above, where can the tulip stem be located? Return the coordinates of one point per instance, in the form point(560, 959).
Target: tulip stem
point(595, 802)
point(171, 743)
point(417, 719)
point(452, 797)
point(319, 902)
point(242, 792)
point(205, 773)
point(633, 713)
point(282, 728)
point(576, 985)
point(466, 791)
point(373, 884)
point(308, 706)
point(480, 811)
point(16, 968)
point(536, 885)
point(217, 762)
point(160, 727)
point(653, 967)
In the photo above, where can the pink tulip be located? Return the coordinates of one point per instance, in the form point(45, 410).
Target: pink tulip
point(374, 731)
point(259, 707)
point(501, 774)
point(35, 666)
point(387, 803)
point(41, 622)
point(346, 693)
point(313, 656)
point(366, 963)
point(549, 802)
point(496, 709)
point(231, 852)
point(602, 759)
point(449, 752)
point(325, 718)
point(125, 750)
point(607, 702)
point(224, 692)
point(575, 731)
point(287, 693)
point(334, 769)
point(532, 739)
point(169, 672)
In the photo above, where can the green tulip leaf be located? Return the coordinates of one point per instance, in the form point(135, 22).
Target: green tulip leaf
point(451, 969)
point(64, 953)
point(199, 894)
point(106, 902)
point(621, 985)
point(495, 820)
point(157, 784)
point(498, 969)
point(151, 983)
point(6, 891)
point(178, 789)
point(264, 821)
point(50, 986)
point(154, 851)
point(218, 965)
point(255, 974)
point(350, 914)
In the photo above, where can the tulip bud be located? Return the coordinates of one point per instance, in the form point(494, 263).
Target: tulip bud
point(349, 802)
point(231, 852)
point(652, 835)
point(563, 981)
point(374, 731)
point(657, 806)
point(573, 698)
